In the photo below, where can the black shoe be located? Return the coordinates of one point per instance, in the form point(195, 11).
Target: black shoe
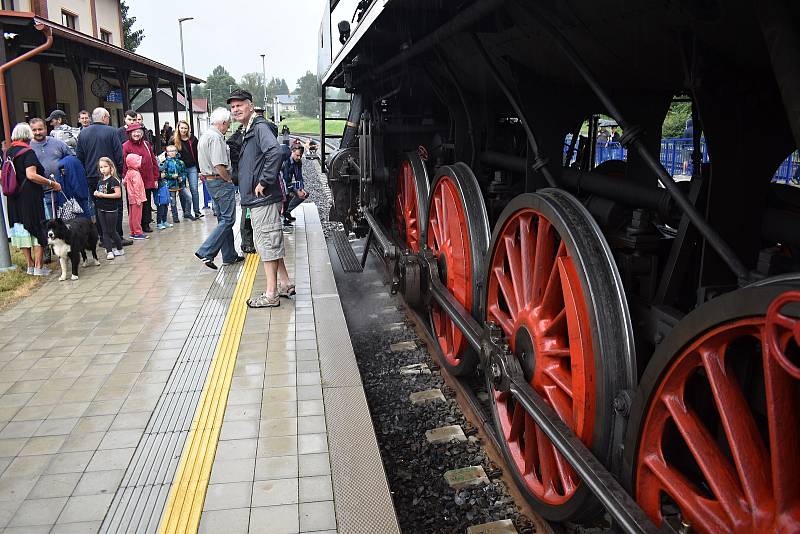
point(287, 222)
point(147, 230)
point(249, 250)
point(237, 260)
point(176, 221)
point(190, 217)
point(208, 262)
point(127, 242)
point(290, 218)
point(199, 215)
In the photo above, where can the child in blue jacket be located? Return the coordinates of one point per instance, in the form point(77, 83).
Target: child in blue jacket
point(173, 170)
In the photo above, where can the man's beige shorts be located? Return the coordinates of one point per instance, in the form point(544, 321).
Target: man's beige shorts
point(268, 231)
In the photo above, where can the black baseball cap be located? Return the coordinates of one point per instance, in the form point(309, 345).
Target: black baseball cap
point(240, 94)
point(56, 114)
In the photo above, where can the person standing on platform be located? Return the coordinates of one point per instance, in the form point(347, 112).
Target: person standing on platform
point(107, 197)
point(26, 207)
point(136, 144)
point(50, 152)
point(122, 131)
point(260, 190)
point(186, 143)
point(214, 160)
point(96, 141)
point(295, 188)
point(134, 185)
point(84, 120)
point(61, 130)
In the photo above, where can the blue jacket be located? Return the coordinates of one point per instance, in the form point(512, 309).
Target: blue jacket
point(259, 162)
point(293, 174)
point(96, 141)
point(73, 183)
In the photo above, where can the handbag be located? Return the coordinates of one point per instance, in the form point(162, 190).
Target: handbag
point(70, 209)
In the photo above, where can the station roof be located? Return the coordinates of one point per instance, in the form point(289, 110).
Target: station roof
point(102, 57)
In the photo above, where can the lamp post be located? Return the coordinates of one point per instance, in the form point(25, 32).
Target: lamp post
point(264, 73)
point(186, 103)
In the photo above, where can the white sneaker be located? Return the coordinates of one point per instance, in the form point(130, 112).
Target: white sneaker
point(110, 256)
point(30, 270)
point(118, 252)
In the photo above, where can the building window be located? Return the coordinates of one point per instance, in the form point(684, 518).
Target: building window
point(7, 4)
point(30, 110)
point(70, 20)
point(105, 36)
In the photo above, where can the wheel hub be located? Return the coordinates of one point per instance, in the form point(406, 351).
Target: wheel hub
point(525, 352)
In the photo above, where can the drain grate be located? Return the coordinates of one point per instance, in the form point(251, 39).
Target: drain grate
point(347, 257)
point(139, 501)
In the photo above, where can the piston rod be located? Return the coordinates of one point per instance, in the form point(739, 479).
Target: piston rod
point(388, 249)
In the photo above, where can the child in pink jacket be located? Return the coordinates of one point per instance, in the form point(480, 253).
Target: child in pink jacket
point(134, 185)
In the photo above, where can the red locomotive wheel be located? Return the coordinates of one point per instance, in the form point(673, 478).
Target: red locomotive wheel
point(411, 204)
point(553, 289)
point(720, 435)
point(458, 235)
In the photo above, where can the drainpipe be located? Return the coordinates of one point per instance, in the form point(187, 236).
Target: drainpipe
point(5, 252)
point(6, 66)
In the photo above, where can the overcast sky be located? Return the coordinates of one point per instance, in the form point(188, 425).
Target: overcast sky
point(232, 33)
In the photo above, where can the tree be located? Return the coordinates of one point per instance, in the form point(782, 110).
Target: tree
point(308, 95)
point(254, 83)
point(219, 83)
point(675, 121)
point(131, 38)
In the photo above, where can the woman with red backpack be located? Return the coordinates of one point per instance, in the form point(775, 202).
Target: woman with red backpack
point(22, 168)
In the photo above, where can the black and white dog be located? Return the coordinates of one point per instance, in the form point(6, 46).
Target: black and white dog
point(71, 240)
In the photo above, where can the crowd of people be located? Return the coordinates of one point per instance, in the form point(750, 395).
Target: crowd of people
point(102, 170)
point(97, 171)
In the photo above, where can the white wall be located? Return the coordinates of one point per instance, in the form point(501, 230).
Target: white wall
point(78, 7)
point(108, 19)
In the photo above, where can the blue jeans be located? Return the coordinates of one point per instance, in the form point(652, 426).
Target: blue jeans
point(185, 201)
point(221, 238)
point(193, 189)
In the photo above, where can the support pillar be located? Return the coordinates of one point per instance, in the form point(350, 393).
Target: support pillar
point(174, 87)
point(48, 88)
point(123, 76)
point(79, 66)
point(156, 125)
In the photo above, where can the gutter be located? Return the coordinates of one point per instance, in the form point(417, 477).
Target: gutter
point(7, 65)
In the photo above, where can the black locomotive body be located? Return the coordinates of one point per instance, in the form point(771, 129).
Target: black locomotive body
point(627, 323)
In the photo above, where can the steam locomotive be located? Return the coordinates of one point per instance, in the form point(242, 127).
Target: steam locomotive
point(638, 335)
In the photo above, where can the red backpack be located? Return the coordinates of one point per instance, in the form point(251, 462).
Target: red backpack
point(8, 175)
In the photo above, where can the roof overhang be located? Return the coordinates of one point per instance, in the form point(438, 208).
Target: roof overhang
point(102, 56)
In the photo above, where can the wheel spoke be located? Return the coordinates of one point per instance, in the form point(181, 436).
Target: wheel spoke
point(561, 404)
point(543, 261)
point(547, 462)
point(744, 440)
point(701, 513)
point(527, 249)
point(531, 453)
point(517, 423)
point(561, 378)
point(718, 472)
point(569, 480)
point(782, 399)
point(552, 295)
point(508, 291)
point(558, 324)
point(515, 266)
point(502, 318)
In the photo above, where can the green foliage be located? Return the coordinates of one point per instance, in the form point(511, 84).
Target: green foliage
point(254, 83)
point(675, 121)
point(131, 38)
point(218, 83)
point(307, 92)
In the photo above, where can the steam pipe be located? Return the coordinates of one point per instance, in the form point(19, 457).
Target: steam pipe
point(469, 16)
point(540, 162)
point(632, 136)
point(7, 65)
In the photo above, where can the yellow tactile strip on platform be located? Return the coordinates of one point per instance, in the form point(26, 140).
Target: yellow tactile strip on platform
point(185, 502)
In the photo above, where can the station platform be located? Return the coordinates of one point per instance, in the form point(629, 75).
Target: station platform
point(147, 397)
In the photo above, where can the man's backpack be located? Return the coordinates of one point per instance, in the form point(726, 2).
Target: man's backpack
point(8, 176)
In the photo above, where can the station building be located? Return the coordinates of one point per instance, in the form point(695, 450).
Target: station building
point(69, 54)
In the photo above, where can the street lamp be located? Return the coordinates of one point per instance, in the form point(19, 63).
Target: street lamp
point(264, 73)
point(186, 103)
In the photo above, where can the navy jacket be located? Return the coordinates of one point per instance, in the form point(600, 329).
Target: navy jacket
point(259, 162)
point(293, 174)
point(96, 141)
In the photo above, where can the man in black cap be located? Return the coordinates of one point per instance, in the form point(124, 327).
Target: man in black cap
point(260, 190)
point(62, 130)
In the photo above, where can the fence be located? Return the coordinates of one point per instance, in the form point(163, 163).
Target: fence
point(676, 156)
